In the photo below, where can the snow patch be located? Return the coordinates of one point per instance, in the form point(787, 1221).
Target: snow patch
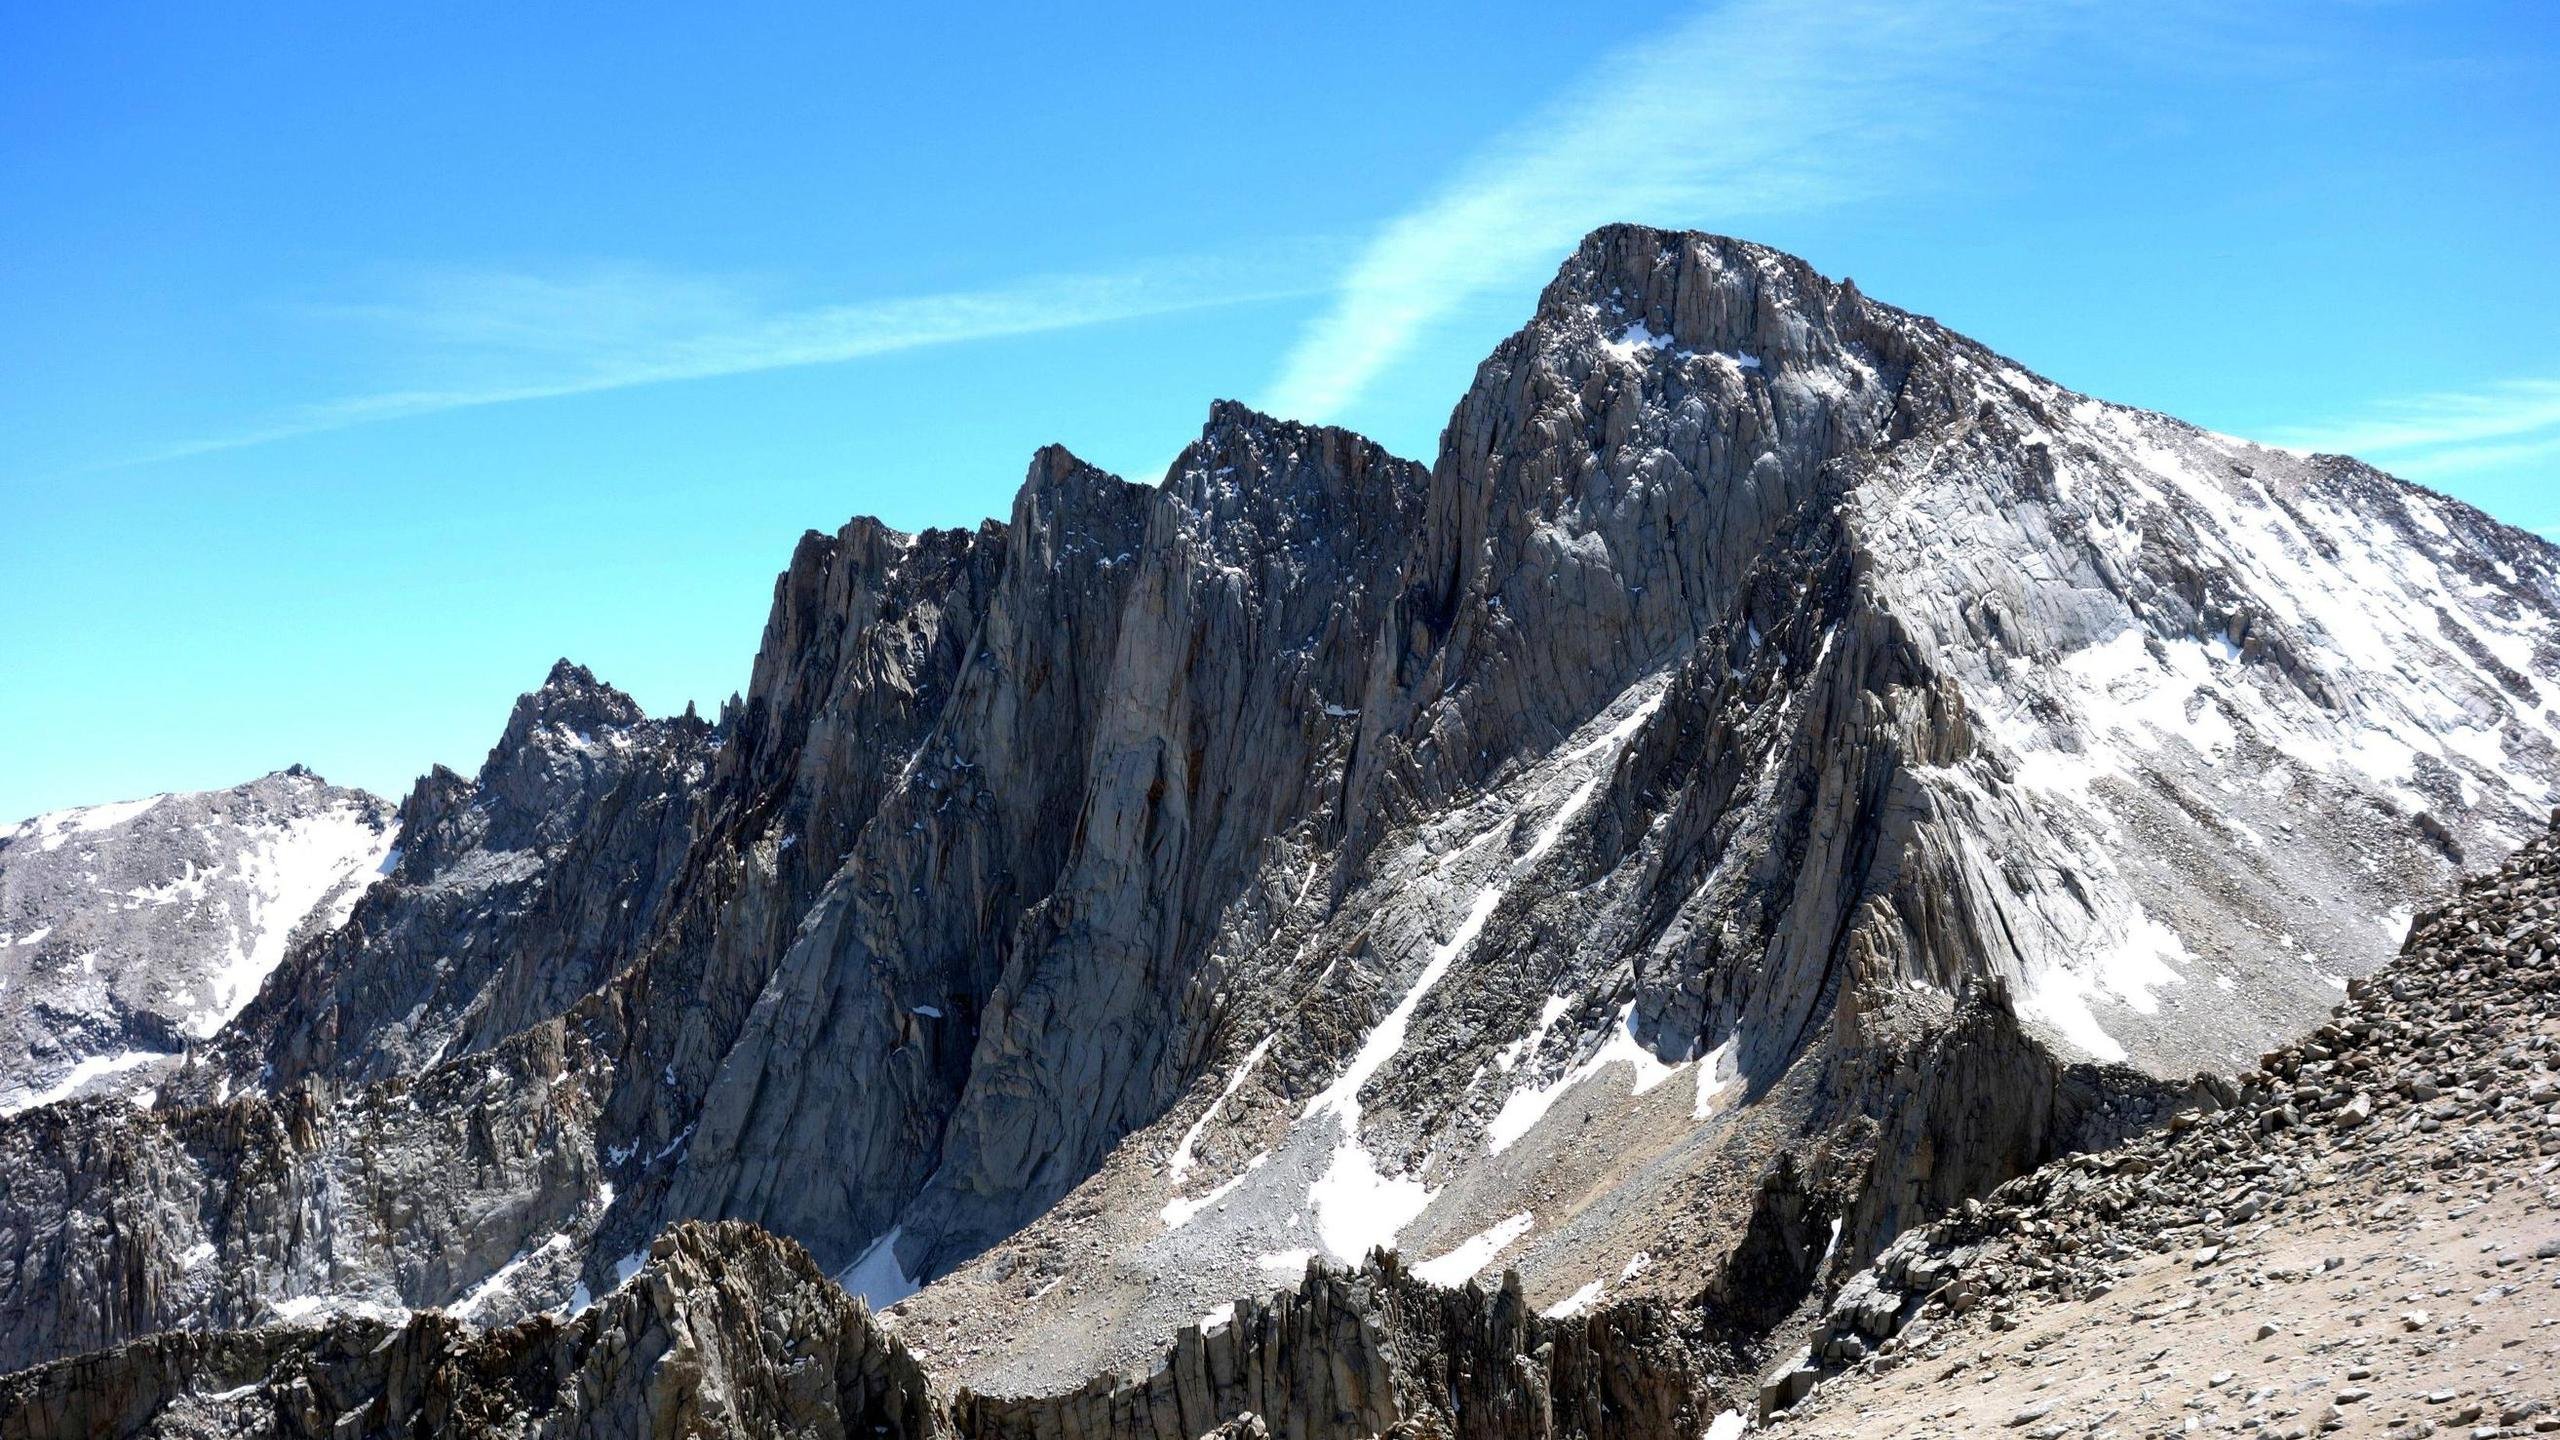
point(299, 1308)
point(1182, 1160)
point(289, 870)
point(1475, 1252)
point(1525, 1108)
point(2128, 966)
point(1285, 1266)
point(1636, 340)
point(502, 1279)
point(1509, 1056)
point(875, 1276)
point(85, 1073)
point(1719, 1072)
point(1575, 1303)
point(1358, 1209)
point(58, 826)
point(1178, 1211)
point(2398, 923)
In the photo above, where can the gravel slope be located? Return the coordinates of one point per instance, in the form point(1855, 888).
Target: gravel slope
point(2365, 1239)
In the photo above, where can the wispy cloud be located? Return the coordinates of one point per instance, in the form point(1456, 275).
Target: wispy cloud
point(1749, 110)
point(463, 339)
point(2447, 432)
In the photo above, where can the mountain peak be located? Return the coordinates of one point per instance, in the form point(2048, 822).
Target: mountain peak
point(566, 673)
point(571, 695)
point(1780, 769)
point(1074, 503)
point(1235, 417)
point(1692, 292)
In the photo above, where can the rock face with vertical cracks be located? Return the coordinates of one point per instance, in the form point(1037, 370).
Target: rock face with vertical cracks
point(1780, 771)
point(510, 895)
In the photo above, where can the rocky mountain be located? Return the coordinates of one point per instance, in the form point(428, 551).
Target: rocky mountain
point(130, 931)
point(514, 893)
point(1781, 772)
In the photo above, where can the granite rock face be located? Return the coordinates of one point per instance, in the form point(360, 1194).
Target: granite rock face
point(2256, 1212)
point(1811, 771)
point(125, 1221)
point(512, 894)
point(1781, 772)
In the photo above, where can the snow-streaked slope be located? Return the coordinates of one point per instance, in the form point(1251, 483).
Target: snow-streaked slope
point(295, 875)
point(128, 930)
point(1890, 687)
point(2233, 709)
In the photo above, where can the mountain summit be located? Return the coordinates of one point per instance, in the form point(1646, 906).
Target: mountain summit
point(1781, 771)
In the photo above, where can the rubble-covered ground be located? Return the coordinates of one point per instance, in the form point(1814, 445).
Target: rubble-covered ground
point(2364, 1240)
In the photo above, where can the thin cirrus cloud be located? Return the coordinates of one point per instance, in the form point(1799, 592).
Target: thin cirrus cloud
point(2448, 432)
point(1745, 111)
point(480, 338)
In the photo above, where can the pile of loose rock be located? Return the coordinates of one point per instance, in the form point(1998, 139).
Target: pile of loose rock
point(2434, 1088)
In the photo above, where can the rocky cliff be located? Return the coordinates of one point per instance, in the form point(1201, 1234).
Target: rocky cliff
point(727, 1330)
point(1781, 771)
point(512, 894)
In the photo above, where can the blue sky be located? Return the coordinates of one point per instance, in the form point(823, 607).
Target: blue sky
point(362, 359)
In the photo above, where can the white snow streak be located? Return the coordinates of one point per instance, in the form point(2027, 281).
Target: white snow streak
point(875, 1275)
point(1719, 1072)
point(94, 1068)
point(1182, 1161)
point(1357, 1206)
point(57, 826)
point(1475, 1252)
point(1178, 1211)
point(502, 1279)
